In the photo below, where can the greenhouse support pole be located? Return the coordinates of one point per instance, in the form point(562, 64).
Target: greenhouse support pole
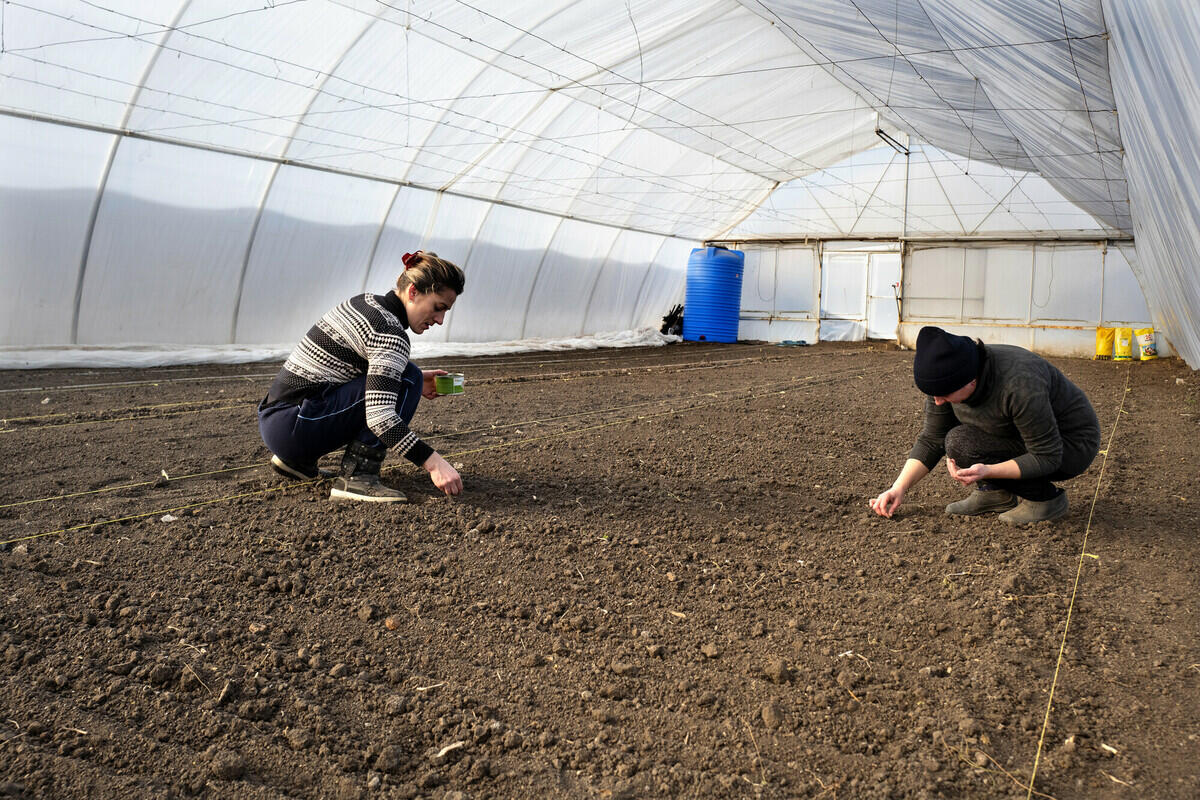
point(904, 222)
point(1103, 272)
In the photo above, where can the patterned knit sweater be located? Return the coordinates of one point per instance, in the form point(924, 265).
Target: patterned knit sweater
point(363, 335)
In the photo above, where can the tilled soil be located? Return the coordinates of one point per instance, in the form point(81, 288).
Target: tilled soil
point(662, 580)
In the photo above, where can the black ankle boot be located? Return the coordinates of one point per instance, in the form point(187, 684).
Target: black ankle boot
point(360, 476)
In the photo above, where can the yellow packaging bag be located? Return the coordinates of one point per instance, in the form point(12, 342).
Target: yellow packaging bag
point(1104, 344)
point(1123, 351)
point(1145, 341)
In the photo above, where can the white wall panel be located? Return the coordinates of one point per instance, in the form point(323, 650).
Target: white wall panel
point(780, 287)
point(1067, 283)
point(996, 283)
point(310, 251)
point(1046, 297)
point(933, 280)
point(758, 281)
point(167, 252)
point(1123, 299)
point(49, 181)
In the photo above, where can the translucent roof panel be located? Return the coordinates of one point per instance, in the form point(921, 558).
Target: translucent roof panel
point(1022, 84)
point(78, 61)
point(929, 193)
point(692, 119)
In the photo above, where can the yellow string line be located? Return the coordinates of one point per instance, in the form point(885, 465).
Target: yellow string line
point(132, 408)
point(169, 479)
point(137, 485)
point(514, 359)
point(153, 513)
point(1075, 590)
point(119, 419)
point(682, 365)
point(297, 484)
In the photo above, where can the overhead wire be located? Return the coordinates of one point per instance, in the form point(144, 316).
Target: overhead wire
point(736, 202)
point(651, 178)
point(1087, 111)
point(535, 183)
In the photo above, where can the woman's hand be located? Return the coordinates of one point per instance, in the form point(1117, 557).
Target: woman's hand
point(887, 502)
point(969, 475)
point(428, 387)
point(444, 476)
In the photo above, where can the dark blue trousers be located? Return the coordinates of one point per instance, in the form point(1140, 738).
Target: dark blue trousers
point(330, 420)
point(968, 445)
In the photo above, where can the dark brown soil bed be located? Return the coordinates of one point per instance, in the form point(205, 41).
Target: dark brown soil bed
point(662, 580)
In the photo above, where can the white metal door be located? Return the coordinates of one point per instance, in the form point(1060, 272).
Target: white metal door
point(883, 314)
point(844, 296)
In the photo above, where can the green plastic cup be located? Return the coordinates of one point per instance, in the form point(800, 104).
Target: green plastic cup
point(448, 384)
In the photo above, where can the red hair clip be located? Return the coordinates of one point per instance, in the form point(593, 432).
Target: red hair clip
point(408, 257)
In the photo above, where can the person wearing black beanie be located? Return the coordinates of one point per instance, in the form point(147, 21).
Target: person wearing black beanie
point(1009, 423)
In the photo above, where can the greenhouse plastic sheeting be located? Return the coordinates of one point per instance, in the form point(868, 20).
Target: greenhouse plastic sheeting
point(219, 172)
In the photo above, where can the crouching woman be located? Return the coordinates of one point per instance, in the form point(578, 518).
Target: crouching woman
point(350, 383)
point(1008, 421)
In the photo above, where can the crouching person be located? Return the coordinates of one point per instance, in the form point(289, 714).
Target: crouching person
point(350, 383)
point(1009, 423)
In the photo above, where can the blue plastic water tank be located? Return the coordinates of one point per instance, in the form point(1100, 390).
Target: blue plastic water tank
point(714, 295)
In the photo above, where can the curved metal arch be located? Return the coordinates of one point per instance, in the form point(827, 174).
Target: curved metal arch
point(484, 67)
point(595, 282)
point(112, 157)
point(538, 274)
point(467, 259)
point(270, 184)
point(642, 288)
point(387, 214)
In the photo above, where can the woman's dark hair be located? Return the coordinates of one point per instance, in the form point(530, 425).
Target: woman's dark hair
point(429, 273)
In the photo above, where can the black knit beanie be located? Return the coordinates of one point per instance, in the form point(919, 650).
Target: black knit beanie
point(945, 362)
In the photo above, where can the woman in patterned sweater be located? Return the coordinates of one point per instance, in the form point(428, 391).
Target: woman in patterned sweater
point(350, 383)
